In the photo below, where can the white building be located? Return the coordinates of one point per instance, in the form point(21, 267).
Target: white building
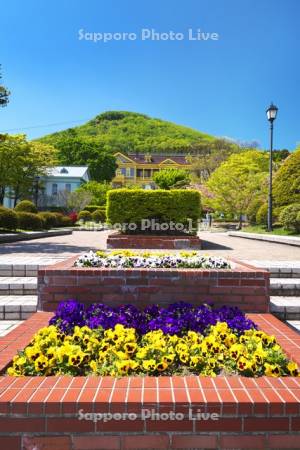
point(59, 179)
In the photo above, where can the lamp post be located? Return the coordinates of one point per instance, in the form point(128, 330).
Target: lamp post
point(271, 115)
point(36, 190)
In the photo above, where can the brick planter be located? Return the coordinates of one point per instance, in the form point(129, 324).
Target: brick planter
point(244, 286)
point(142, 241)
point(43, 413)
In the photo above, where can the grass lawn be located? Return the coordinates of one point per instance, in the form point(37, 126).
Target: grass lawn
point(262, 229)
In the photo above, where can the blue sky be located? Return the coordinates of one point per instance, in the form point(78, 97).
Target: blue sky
point(221, 87)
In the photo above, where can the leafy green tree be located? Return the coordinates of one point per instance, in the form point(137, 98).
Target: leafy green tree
point(97, 190)
point(79, 151)
point(286, 186)
point(207, 156)
point(238, 182)
point(4, 93)
point(171, 178)
point(20, 162)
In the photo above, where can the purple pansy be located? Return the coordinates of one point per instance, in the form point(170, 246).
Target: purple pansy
point(177, 318)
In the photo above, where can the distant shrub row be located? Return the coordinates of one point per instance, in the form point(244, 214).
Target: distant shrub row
point(25, 219)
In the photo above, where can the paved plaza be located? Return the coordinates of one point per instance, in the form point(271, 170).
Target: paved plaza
point(51, 249)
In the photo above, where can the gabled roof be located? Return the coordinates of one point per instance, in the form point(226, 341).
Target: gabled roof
point(156, 158)
point(67, 171)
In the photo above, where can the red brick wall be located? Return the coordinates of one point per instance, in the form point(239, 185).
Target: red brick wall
point(41, 413)
point(153, 242)
point(244, 286)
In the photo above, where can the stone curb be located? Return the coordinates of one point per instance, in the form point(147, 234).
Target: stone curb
point(287, 240)
point(5, 238)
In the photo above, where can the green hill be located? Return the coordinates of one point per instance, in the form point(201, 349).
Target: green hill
point(131, 132)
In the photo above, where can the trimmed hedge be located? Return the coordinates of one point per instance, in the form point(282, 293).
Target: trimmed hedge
point(131, 206)
point(8, 219)
point(30, 221)
point(99, 215)
point(85, 216)
point(93, 208)
point(51, 220)
point(26, 206)
point(290, 217)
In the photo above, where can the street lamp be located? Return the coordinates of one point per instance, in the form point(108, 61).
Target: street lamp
point(271, 115)
point(36, 190)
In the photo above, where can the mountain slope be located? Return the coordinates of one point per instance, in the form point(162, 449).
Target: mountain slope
point(132, 132)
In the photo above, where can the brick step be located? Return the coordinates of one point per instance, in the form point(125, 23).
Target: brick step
point(18, 285)
point(285, 287)
point(17, 307)
point(15, 266)
point(285, 307)
point(279, 269)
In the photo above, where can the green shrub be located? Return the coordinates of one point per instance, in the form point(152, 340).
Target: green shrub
point(290, 216)
point(99, 216)
point(287, 181)
point(252, 210)
point(262, 214)
point(8, 219)
point(92, 208)
point(26, 206)
point(62, 220)
point(85, 216)
point(30, 221)
point(66, 221)
point(127, 206)
point(49, 218)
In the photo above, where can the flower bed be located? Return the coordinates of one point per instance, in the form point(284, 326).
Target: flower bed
point(122, 259)
point(239, 285)
point(178, 340)
point(41, 412)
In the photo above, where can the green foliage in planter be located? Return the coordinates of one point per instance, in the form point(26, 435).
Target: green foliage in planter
point(286, 186)
point(8, 219)
point(30, 221)
point(26, 206)
point(290, 217)
point(85, 216)
point(127, 206)
point(99, 215)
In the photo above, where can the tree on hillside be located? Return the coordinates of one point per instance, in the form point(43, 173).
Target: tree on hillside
point(238, 182)
point(79, 151)
point(97, 190)
point(286, 186)
point(209, 156)
point(4, 93)
point(20, 162)
point(172, 178)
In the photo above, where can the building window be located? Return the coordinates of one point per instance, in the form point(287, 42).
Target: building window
point(147, 173)
point(54, 189)
point(129, 172)
point(68, 187)
point(139, 173)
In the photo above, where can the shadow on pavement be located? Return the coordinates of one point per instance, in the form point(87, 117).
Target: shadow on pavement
point(31, 248)
point(208, 245)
